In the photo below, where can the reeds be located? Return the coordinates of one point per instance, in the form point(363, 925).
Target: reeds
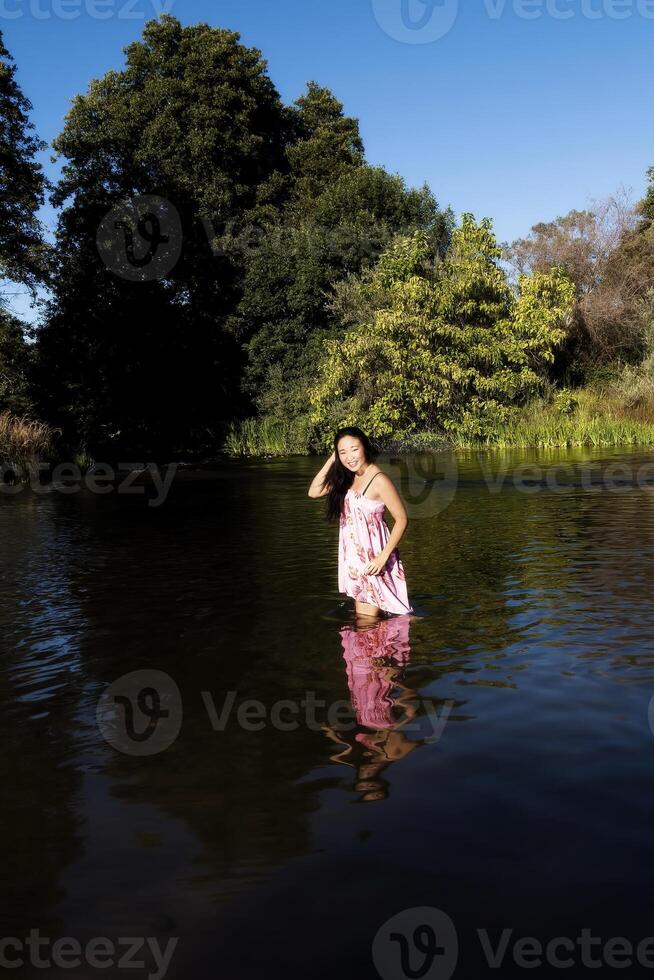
point(594, 417)
point(267, 437)
point(23, 441)
point(562, 432)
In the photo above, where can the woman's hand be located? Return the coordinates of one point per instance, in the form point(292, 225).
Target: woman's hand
point(377, 564)
point(318, 488)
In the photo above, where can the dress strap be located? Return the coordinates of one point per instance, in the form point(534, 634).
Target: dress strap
point(370, 481)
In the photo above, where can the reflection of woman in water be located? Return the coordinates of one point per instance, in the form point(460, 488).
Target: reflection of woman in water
point(358, 491)
point(375, 658)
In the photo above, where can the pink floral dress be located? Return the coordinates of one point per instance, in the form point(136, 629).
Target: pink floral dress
point(368, 655)
point(363, 534)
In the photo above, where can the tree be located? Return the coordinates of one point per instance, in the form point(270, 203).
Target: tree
point(586, 245)
point(326, 146)
point(15, 366)
point(130, 358)
point(646, 206)
point(580, 242)
point(285, 311)
point(448, 348)
point(23, 252)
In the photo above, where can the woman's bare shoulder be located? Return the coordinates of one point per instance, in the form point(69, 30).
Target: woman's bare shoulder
point(380, 481)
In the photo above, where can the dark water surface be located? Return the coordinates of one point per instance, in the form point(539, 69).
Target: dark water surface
point(500, 770)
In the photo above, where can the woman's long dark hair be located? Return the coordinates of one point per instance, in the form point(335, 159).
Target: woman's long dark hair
point(338, 477)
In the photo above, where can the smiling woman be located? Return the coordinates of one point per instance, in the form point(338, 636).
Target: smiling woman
point(369, 565)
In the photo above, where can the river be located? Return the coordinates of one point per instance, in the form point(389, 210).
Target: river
point(199, 745)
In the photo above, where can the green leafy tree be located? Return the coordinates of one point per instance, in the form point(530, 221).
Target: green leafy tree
point(23, 253)
point(286, 310)
point(326, 146)
point(147, 363)
point(646, 206)
point(447, 348)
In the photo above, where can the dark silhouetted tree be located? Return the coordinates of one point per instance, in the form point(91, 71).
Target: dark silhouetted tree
point(128, 358)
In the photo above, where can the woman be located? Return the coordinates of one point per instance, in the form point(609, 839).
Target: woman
point(369, 566)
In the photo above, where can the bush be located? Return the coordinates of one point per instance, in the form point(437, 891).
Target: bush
point(23, 441)
point(450, 350)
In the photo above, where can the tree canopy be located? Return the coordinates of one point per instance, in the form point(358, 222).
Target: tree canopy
point(23, 252)
point(195, 121)
point(446, 346)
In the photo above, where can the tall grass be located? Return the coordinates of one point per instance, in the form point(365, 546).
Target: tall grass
point(267, 437)
point(593, 420)
point(23, 441)
point(610, 415)
point(549, 431)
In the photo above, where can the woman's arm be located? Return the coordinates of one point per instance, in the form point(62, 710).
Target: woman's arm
point(316, 489)
point(393, 501)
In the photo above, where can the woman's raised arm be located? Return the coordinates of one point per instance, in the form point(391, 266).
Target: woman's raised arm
point(317, 489)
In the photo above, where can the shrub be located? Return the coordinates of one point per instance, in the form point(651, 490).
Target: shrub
point(23, 441)
point(452, 350)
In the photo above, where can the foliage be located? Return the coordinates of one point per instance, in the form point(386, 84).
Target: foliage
point(590, 247)
point(579, 242)
point(290, 277)
point(23, 254)
point(268, 436)
point(620, 312)
point(536, 425)
point(23, 441)
point(289, 206)
point(149, 364)
point(453, 350)
point(327, 146)
point(311, 287)
point(646, 206)
point(15, 366)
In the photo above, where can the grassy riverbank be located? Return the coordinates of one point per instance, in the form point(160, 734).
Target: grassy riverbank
point(586, 417)
point(617, 412)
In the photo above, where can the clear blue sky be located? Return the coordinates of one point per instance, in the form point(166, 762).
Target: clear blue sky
point(517, 118)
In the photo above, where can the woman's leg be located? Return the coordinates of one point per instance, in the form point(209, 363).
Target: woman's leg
point(365, 609)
